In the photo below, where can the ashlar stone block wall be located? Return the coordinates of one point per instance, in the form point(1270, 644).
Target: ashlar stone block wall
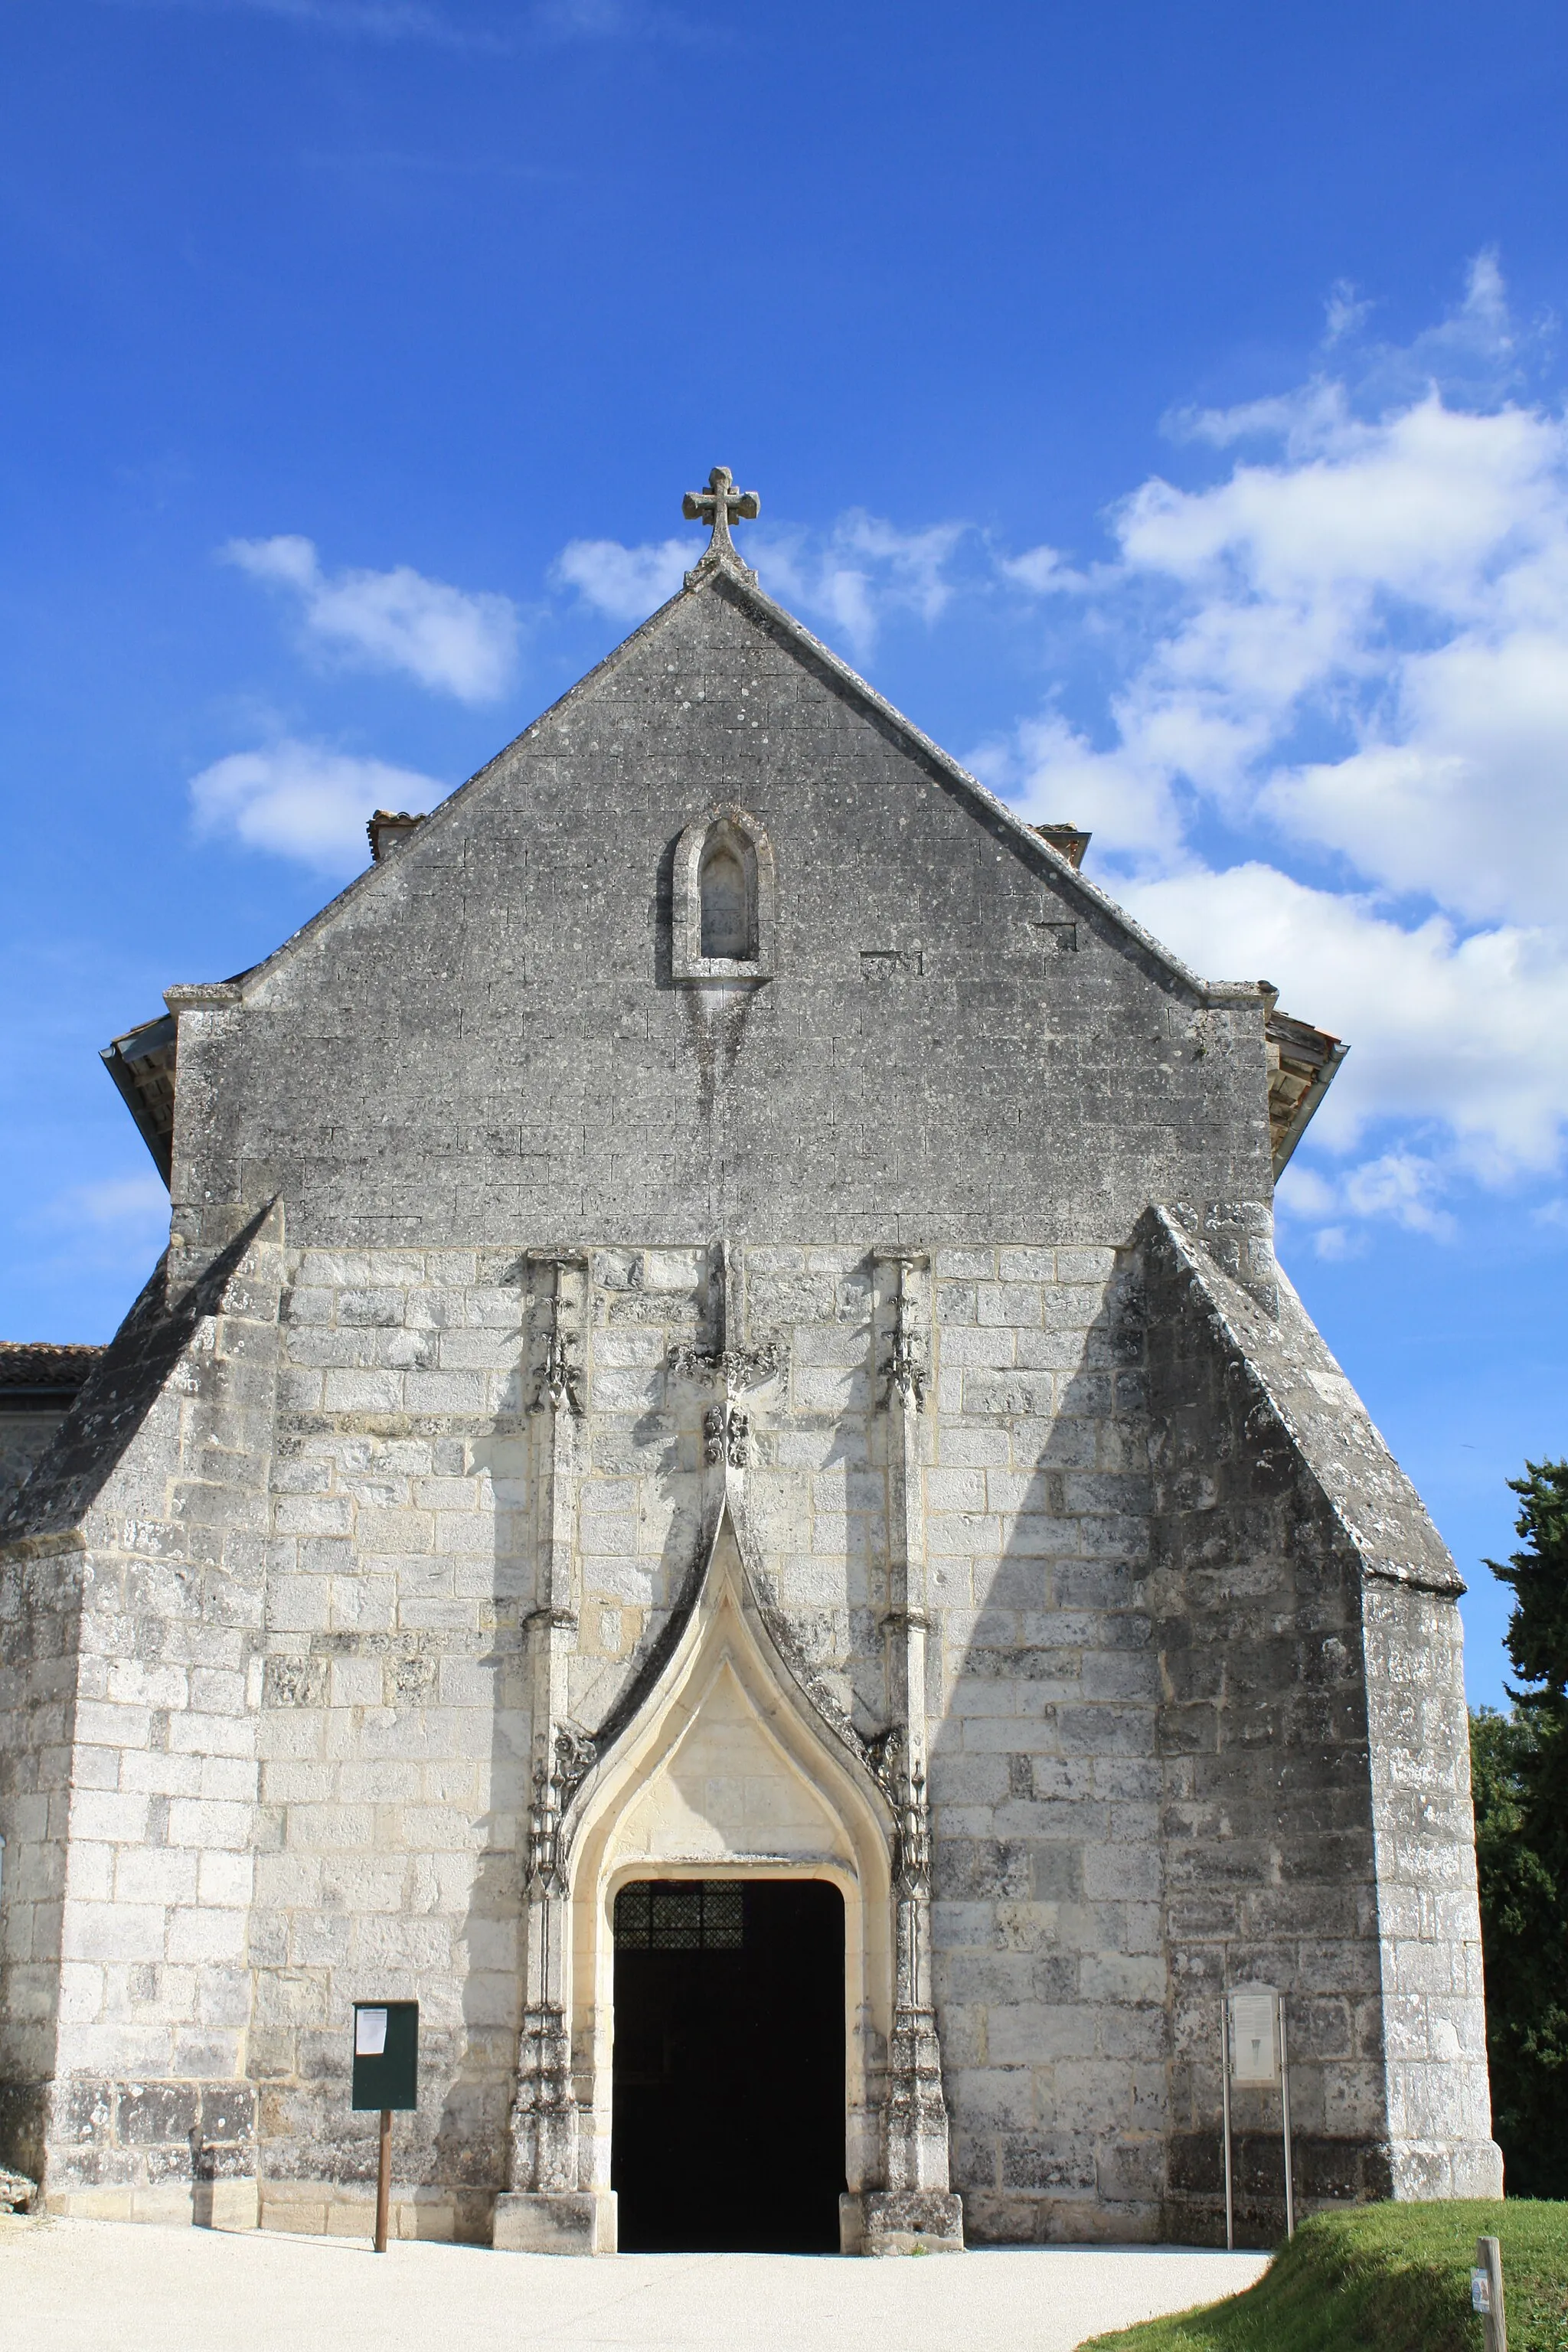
point(1045, 1776)
point(132, 1605)
point(293, 1744)
point(1317, 1830)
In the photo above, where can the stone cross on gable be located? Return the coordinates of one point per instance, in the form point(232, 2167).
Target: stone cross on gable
point(720, 505)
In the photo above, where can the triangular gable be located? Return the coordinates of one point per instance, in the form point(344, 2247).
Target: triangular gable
point(733, 581)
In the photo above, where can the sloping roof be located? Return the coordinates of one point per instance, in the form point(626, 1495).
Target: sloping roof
point(1301, 1066)
point(1327, 1422)
point(127, 1377)
point(37, 1369)
point(142, 1062)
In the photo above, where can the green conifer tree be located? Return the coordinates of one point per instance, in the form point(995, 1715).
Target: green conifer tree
point(1520, 1769)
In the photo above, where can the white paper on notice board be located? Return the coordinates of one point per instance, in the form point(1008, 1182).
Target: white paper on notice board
point(1254, 2054)
point(370, 2032)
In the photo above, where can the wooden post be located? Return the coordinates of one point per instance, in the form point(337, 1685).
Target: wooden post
point(1494, 2324)
point(384, 2181)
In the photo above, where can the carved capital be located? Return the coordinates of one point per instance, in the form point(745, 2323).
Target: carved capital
point(738, 1367)
point(558, 1380)
point(555, 1783)
point(727, 1435)
point(883, 1751)
point(903, 1371)
point(911, 1849)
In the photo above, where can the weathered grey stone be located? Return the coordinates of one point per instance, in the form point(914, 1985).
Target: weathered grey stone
point(559, 1303)
point(568, 2222)
point(16, 2191)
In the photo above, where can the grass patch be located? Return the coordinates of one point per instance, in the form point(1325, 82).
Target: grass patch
point(1385, 2278)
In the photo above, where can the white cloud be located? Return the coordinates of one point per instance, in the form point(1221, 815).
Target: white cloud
point(117, 1222)
point(1404, 1186)
point(1447, 1030)
point(305, 802)
point(1418, 805)
point(115, 1204)
point(850, 578)
point(449, 639)
point(1344, 313)
point(625, 582)
point(1354, 647)
point(1043, 571)
point(859, 573)
point(1055, 776)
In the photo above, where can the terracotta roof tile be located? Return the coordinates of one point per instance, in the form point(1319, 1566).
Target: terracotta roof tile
point(41, 1364)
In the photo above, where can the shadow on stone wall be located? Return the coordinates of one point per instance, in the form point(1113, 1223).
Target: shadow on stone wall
point(1268, 1853)
point(1152, 1782)
point(1045, 1774)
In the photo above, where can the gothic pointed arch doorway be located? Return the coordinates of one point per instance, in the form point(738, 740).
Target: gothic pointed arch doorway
point(730, 1955)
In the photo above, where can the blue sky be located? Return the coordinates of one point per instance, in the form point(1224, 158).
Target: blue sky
point(1163, 404)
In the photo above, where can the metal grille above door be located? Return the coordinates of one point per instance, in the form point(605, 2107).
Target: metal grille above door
point(704, 1915)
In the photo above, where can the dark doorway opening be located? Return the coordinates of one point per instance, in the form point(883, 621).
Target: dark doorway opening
point(729, 2067)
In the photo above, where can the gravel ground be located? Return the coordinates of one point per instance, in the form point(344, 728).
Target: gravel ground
point(112, 2286)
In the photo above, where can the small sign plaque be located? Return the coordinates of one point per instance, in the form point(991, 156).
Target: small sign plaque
point(1253, 2048)
point(386, 2054)
point(1481, 2291)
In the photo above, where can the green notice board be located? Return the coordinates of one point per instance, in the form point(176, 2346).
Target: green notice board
point(386, 2053)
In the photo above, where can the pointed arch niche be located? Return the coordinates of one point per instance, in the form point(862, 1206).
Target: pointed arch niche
point(725, 899)
point(727, 1772)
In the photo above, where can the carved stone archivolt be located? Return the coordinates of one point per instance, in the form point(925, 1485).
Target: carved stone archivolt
point(788, 1790)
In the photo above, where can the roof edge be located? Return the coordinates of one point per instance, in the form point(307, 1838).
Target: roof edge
point(147, 1043)
point(212, 992)
point(708, 577)
point(1209, 993)
point(1232, 1314)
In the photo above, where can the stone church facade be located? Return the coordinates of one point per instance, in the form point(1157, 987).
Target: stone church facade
point(721, 1332)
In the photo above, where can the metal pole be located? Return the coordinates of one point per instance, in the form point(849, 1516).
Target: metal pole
point(1494, 2327)
point(1225, 2093)
point(1285, 2111)
point(384, 2181)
